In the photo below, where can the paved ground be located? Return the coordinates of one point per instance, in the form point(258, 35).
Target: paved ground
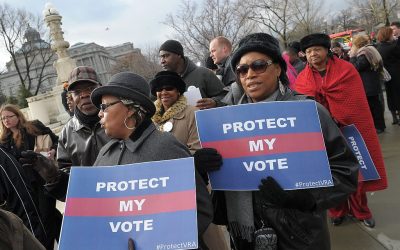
point(385, 205)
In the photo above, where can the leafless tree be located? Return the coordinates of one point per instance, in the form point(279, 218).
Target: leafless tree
point(145, 65)
point(275, 15)
point(374, 12)
point(345, 20)
point(196, 25)
point(30, 55)
point(288, 19)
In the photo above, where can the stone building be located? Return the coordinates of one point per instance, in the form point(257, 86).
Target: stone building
point(101, 58)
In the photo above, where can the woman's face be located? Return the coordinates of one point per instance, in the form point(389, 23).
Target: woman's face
point(112, 116)
point(168, 95)
point(9, 119)
point(261, 79)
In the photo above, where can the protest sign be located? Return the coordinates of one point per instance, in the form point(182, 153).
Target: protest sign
point(278, 139)
point(357, 144)
point(153, 203)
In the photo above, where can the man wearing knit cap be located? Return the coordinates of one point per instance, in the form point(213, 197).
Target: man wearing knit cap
point(336, 84)
point(211, 88)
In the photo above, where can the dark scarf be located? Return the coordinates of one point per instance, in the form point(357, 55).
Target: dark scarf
point(140, 129)
point(87, 120)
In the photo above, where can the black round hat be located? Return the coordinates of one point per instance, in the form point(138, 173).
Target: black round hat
point(167, 78)
point(316, 39)
point(126, 85)
point(260, 42)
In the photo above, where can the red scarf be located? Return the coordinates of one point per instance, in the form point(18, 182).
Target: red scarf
point(341, 91)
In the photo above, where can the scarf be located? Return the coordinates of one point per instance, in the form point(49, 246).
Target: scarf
point(239, 204)
point(161, 116)
point(372, 55)
point(341, 91)
point(87, 120)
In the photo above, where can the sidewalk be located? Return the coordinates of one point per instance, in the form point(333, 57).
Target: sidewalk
point(385, 205)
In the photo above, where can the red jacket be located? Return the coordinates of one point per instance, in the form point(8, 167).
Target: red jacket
point(341, 91)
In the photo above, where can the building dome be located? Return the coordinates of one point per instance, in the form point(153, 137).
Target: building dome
point(31, 35)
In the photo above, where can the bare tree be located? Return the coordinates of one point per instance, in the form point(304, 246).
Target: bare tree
point(275, 15)
point(345, 20)
point(138, 63)
point(196, 26)
point(374, 12)
point(30, 55)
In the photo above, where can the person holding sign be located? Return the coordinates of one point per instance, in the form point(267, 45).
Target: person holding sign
point(337, 85)
point(294, 219)
point(125, 112)
point(174, 115)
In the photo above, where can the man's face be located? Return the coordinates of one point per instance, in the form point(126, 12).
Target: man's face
point(396, 31)
point(316, 55)
point(81, 97)
point(169, 61)
point(218, 52)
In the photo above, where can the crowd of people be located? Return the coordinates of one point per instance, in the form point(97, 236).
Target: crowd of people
point(117, 123)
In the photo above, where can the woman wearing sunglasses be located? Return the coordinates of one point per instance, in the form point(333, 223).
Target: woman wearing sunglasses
point(173, 114)
point(293, 219)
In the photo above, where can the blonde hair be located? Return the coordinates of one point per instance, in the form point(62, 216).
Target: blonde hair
point(22, 124)
point(360, 41)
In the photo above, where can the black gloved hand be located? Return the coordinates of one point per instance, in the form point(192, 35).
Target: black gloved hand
point(207, 159)
point(131, 244)
point(272, 192)
point(42, 165)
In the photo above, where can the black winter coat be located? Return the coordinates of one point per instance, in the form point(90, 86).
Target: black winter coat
point(305, 230)
point(370, 78)
point(390, 52)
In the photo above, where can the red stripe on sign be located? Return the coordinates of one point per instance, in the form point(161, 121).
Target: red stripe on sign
point(268, 144)
point(132, 205)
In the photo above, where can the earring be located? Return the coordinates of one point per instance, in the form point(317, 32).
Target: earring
point(130, 128)
point(281, 86)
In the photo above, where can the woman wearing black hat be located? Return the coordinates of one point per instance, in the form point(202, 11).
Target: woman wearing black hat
point(293, 219)
point(125, 112)
point(173, 114)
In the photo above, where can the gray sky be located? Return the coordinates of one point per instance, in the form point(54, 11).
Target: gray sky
point(112, 22)
point(106, 22)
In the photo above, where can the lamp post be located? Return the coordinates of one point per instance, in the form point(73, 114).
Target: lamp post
point(64, 64)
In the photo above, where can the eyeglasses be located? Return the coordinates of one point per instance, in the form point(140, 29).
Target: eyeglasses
point(258, 66)
point(78, 92)
point(7, 117)
point(166, 88)
point(105, 106)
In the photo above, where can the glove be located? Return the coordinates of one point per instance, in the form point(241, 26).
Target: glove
point(42, 165)
point(295, 199)
point(131, 244)
point(207, 159)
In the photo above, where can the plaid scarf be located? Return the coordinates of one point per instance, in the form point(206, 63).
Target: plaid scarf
point(372, 55)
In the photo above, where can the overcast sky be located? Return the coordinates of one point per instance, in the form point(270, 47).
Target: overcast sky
point(112, 22)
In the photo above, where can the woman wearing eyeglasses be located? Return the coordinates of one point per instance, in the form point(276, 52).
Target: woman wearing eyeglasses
point(125, 114)
point(17, 135)
point(273, 217)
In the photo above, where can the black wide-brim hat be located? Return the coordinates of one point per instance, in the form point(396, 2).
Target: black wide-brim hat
point(126, 85)
point(316, 39)
point(167, 78)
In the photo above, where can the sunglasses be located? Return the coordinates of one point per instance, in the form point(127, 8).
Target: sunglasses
point(166, 88)
point(105, 106)
point(258, 66)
